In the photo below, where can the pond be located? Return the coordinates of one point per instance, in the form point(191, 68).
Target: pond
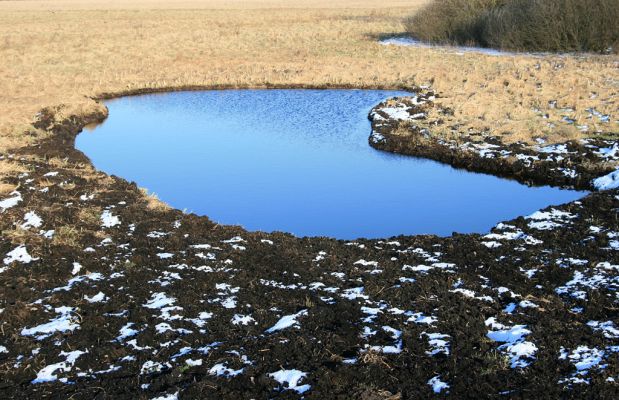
point(296, 161)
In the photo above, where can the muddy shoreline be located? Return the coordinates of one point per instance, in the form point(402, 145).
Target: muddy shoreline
point(128, 299)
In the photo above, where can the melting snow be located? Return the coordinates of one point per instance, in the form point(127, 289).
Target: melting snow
point(515, 346)
point(48, 374)
point(437, 385)
point(584, 359)
point(19, 254)
point(64, 322)
point(126, 331)
point(159, 300)
point(291, 378)
point(239, 319)
point(170, 396)
point(151, 367)
point(98, 298)
point(287, 321)
point(109, 220)
point(31, 219)
point(606, 182)
point(11, 201)
point(223, 370)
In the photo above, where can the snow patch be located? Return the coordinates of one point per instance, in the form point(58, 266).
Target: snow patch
point(291, 378)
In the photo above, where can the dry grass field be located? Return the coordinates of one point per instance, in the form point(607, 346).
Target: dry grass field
point(68, 51)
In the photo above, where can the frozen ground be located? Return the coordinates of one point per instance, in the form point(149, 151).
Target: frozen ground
point(160, 304)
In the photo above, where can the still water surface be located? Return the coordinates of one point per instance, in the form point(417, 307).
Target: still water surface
point(296, 161)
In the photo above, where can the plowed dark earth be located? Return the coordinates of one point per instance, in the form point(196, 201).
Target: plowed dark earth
point(124, 300)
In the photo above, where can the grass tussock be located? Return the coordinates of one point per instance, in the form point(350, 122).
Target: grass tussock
point(153, 202)
point(66, 235)
point(525, 25)
point(9, 168)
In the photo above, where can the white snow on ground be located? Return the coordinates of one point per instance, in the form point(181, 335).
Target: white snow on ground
point(472, 295)
point(170, 396)
point(48, 234)
point(366, 263)
point(438, 343)
point(223, 370)
point(156, 235)
point(287, 321)
point(77, 267)
point(376, 137)
point(31, 219)
point(607, 328)
point(291, 379)
point(64, 322)
point(396, 348)
point(437, 385)
point(420, 318)
point(151, 367)
point(98, 298)
point(3, 349)
point(10, 201)
point(229, 302)
point(545, 220)
point(239, 319)
point(447, 267)
point(48, 374)
point(407, 41)
point(159, 300)
point(19, 254)
point(236, 239)
point(354, 293)
point(601, 276)
point(583, 359)
point(109, 220)
point(527, 304)
point(606, 182)
point(93, 276)
point(505, 234)
point(126, 331)
point(519, 350)
point(398, 112)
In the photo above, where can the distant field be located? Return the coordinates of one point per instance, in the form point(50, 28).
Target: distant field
point(63, 52)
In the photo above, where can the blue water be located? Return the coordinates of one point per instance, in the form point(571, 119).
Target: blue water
point(295, 161)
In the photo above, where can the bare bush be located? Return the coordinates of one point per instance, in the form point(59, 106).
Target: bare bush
point(531, 25)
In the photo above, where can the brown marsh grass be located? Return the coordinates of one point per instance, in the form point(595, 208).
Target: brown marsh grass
point(68, 51)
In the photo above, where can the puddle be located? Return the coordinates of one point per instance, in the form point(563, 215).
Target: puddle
point(296, 161)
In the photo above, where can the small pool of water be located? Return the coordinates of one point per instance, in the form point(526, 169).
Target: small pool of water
point(296, 161)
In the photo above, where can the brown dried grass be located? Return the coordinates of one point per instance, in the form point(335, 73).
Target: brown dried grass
point(67, 51)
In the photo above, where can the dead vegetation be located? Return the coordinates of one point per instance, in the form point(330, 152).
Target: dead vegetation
point(9, 168)
point(523, 25)
point(66, 52)
point(153, 202)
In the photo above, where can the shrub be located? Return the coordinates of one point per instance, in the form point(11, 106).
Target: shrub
point(531, 25)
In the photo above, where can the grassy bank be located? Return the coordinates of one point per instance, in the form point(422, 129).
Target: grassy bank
point(526, 25)
point(68, 51)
